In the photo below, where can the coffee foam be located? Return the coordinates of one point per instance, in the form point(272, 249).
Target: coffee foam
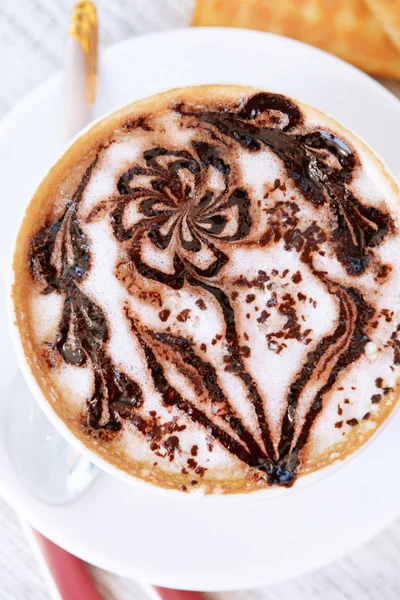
point(282, 307)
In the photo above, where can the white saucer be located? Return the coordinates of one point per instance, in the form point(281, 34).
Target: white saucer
point(168, 541)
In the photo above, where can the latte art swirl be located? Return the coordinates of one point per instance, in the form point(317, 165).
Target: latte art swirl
point(181, 212)
point(220, 293)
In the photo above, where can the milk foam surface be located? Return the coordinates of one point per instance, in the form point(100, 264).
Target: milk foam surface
point(172, 198)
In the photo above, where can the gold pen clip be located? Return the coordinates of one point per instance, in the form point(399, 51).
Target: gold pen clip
point(83, 26)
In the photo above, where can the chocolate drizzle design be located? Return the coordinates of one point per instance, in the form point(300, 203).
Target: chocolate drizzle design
point(180, 212)
point(83, 330)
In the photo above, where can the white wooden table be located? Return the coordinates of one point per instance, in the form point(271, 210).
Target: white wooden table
point(32, 47)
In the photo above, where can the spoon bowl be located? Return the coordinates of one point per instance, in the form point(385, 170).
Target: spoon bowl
point(50, 468)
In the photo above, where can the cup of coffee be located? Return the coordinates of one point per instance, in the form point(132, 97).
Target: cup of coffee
point(206, 291)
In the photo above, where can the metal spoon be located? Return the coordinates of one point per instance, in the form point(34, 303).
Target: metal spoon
point(47, 465)
point(51, 469)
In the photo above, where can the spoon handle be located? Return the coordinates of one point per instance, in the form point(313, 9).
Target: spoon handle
point(73, 580)
point(170, 594)
point(66, 575)
point(81, 68)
